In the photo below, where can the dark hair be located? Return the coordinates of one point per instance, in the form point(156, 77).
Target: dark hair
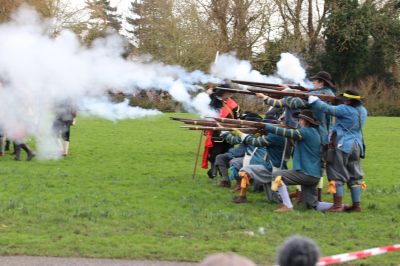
point(298, 251)
point(354, 103)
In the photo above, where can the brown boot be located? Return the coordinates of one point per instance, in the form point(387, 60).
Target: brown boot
point(337, 205)
point(319, 191)
point(240, 199)
point(225, 183)
point(353, 208)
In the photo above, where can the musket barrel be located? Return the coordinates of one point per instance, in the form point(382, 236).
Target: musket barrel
point(327, 98)
point(219, 128)
point(273, 86)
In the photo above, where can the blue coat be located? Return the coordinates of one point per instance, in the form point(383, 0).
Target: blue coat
point(289, 111)
point(269, 150)
point(323, 118)
point(306, 157)
point(348, 125)
point(237, 151)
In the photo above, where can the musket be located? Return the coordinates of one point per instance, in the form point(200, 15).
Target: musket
point(212, 124)
point(247, 129)
point(303, 95)
point(278, 87)
point(259, 125)
point(203, 122)
point(236, 91)
point(240, 122)
point(280, 94)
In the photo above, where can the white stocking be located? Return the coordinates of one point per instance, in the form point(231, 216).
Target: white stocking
point(285, 196)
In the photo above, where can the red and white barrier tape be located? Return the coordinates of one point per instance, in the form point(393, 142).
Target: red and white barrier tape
point(356, 255)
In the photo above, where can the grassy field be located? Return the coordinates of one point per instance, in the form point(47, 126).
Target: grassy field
point(126, 191)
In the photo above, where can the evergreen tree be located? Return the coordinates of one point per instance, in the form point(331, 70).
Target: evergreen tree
point(346, 31)
point(103, 18)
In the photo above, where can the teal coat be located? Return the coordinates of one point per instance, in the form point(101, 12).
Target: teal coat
point(306, 156)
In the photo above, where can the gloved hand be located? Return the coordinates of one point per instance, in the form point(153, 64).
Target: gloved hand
point(312, 99)
point(237, 132)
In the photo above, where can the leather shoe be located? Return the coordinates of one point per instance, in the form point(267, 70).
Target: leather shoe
point(283, 208)
point(240, 199)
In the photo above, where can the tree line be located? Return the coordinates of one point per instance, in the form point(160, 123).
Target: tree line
point(357, 41)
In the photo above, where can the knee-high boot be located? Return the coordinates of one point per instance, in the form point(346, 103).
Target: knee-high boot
point(17, 151)
point(337, 198)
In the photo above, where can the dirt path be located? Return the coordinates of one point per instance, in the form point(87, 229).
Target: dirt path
point(51, 261)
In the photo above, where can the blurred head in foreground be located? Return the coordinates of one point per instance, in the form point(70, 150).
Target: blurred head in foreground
point(298, 251)
point(226, 259)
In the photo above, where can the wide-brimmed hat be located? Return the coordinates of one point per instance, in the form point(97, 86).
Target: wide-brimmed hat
point(325, 76)
point(251, 116)
point(219, 91)
point(350, 95)
point(307, 115)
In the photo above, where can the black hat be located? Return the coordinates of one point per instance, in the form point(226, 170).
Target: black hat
point(350, 95)
point(219, 91)
point(307, 115)
point(325, 76)
point(251, 116)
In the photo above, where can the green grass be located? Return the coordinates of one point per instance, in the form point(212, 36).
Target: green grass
point(126, 191)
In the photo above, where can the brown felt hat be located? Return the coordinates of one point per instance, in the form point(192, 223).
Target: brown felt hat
point(307, 115)
point(325, 76)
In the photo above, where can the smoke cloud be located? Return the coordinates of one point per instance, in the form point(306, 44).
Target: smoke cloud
point(37, 72)
point(289, 70)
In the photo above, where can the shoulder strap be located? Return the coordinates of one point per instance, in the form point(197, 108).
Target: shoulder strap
point(359, 122)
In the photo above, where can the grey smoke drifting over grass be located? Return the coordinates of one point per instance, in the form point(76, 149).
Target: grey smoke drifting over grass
point(289, 69)
point(102, 107)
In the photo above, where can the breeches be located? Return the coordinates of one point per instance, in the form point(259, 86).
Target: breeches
point(342, 166)
point(308, 185)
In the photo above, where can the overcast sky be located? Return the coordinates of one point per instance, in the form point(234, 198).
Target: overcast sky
point(122, 5)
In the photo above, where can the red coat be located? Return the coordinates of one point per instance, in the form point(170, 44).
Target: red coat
point(225, 112)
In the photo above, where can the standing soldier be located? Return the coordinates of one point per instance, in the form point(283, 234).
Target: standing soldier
point(221, 101)
point(65, 118)
point(345, 147)
point(19, 136)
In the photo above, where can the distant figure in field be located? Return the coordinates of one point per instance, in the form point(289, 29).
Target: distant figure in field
point(226, 259)
point(298, 251)
point(65, 118)
point(20, 138)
